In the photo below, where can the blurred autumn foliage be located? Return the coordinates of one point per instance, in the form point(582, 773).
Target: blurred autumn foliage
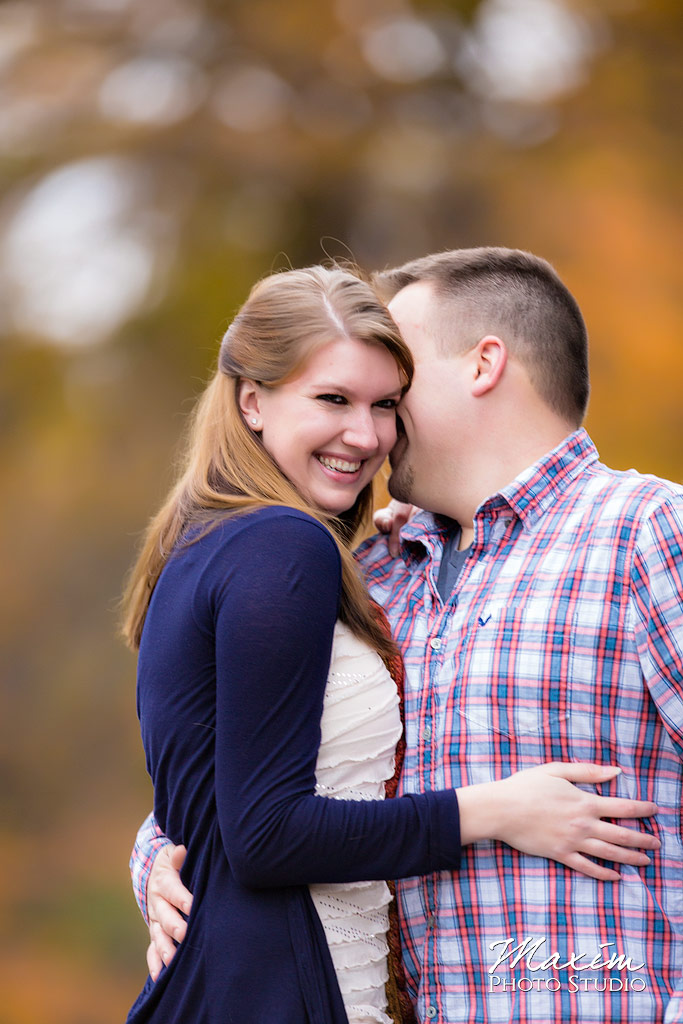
point(157, 156)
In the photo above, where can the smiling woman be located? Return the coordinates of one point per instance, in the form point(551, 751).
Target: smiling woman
point(331, 426)
point(255, 634)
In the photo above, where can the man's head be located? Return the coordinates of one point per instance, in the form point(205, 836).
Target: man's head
point(496, 336)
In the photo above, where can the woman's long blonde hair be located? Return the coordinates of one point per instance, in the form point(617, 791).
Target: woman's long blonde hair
point(227, 470)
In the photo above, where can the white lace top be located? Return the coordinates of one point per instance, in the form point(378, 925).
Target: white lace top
point(361, 726)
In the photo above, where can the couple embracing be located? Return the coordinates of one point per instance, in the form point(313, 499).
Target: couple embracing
point(319, 720)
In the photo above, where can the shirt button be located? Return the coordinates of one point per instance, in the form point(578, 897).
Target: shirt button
point(427, 733)
point(431, 1012)
point(435, 643)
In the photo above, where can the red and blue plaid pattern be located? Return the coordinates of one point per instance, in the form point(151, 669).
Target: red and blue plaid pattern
point(148, 842)
point(563, 641)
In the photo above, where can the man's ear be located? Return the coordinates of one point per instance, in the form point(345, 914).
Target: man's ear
point(249, 398)
point(490, 356)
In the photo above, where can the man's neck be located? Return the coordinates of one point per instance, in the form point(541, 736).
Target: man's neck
point(494, 471)
point(466, 536)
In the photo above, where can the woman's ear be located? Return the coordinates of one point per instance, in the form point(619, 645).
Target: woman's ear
point(490, 356)
point(249, 397)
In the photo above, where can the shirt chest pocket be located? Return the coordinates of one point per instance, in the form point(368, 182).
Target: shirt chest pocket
point(514, 671)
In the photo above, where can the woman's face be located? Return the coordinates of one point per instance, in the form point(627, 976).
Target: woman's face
point(330, 428)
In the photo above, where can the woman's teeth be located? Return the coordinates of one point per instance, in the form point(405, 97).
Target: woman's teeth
point(341, 465)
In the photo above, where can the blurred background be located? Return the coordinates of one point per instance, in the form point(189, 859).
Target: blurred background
point(156, 157)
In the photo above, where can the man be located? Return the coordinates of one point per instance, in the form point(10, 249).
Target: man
point(538, 609)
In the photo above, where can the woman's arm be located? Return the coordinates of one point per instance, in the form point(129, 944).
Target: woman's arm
point(269, 697)
point(537, 811)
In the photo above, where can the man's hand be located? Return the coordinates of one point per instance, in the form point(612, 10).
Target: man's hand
point(166, 895)
point(390, 520)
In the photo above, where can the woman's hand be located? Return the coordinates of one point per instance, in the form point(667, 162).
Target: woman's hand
point(166, 895)
point(538, 811)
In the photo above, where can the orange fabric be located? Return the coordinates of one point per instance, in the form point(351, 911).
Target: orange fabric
point(400, 1006)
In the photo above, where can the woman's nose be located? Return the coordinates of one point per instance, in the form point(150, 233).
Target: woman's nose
point(360, 431)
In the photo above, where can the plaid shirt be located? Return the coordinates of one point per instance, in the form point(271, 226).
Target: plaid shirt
point(563, 640)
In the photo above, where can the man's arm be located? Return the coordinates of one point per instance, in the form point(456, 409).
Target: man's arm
point(657, 602)
point(155, 865)
point(148, 842)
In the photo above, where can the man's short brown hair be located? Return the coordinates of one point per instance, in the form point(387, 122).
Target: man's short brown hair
point(516, 296)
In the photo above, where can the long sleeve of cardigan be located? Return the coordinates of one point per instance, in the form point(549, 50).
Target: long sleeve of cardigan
point(274, 620)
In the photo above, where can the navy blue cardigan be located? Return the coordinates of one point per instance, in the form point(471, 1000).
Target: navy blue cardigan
point(231, 676)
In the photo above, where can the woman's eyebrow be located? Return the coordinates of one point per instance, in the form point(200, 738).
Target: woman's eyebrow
point(337, 386)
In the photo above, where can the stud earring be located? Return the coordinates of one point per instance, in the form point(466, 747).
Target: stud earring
point(254, 421)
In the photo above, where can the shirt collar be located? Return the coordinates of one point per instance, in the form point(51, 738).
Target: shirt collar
point(537, 487)
point(528, 495)
point(424, 533)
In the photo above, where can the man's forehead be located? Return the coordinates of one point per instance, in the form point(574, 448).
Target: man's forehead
point(413, 308)
point(412, 301)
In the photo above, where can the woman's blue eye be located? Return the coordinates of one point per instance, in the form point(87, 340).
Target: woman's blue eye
point(335, 399)
point(387, 403)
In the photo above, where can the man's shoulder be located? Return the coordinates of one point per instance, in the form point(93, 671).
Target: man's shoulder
point(636, 508)
point(373, 551)
point(642, 490)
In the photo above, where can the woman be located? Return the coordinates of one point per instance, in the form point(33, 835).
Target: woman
point(268, 713)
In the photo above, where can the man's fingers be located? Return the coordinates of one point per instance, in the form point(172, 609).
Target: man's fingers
point(178, 855)
point(165, 883)
point(169, 889)
point(154, 962)
point(382, 520)
point(389, 520)
point(167, 918)
point(165, 947)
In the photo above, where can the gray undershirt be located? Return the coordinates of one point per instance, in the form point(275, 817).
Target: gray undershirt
point(452, 562)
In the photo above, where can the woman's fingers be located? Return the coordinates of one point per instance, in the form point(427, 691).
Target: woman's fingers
point(607, 806)
point(581, 771)
point(584, 866)
point(623, 807)
point(619, 835)
point(619, 854)
point(619, 844)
